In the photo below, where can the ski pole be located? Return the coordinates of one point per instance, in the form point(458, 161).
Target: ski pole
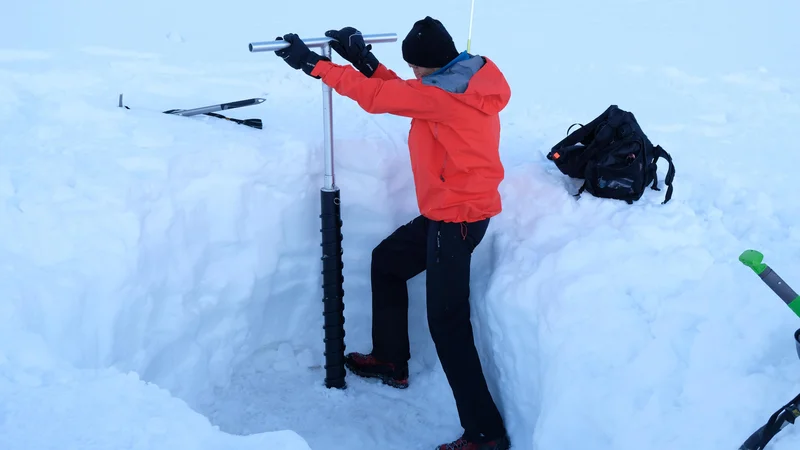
point(754, 260)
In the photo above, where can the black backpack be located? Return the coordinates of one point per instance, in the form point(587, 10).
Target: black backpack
point(613, 156)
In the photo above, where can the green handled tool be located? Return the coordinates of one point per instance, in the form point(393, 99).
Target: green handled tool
point(789, 412)
point(754, 260)
point(781, 419)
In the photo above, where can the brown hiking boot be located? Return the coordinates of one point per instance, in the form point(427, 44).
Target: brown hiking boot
point(464, 443)
point(395, 375)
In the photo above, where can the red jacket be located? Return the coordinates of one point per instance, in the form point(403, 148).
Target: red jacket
point(455, 130)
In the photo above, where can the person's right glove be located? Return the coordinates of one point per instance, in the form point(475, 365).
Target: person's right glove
point(349, 44)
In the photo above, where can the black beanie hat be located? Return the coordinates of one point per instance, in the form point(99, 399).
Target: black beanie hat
point(428, 44)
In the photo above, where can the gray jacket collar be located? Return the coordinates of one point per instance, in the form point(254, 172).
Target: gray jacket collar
point(456, 78)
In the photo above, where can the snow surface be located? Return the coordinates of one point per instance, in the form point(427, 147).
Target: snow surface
point(160, 275)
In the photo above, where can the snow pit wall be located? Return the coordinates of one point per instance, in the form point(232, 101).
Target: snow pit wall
point(143, 250)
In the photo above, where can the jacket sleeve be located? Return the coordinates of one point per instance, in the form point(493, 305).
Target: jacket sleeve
point(385, 73)
point(394, 96)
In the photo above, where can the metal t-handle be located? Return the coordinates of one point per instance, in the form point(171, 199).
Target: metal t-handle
point(271, 46)
point(327, 94)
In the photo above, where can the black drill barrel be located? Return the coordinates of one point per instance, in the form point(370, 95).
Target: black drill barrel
point(332, 288)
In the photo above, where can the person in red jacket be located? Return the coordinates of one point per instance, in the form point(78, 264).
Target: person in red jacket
point(453, 142)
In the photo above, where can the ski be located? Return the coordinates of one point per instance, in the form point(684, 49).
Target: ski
point(211, 111)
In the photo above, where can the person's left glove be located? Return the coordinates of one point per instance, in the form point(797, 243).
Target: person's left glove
point(349, 44)
point(297, 55)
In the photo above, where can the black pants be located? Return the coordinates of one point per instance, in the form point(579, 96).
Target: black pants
point(445, 251)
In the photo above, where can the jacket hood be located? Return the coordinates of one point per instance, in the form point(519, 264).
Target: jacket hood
point(476, 79)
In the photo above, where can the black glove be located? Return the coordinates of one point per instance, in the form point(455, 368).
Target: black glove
point(297, 55)
point(349, 44)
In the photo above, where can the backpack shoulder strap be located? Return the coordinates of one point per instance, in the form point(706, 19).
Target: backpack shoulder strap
point(661, 153)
